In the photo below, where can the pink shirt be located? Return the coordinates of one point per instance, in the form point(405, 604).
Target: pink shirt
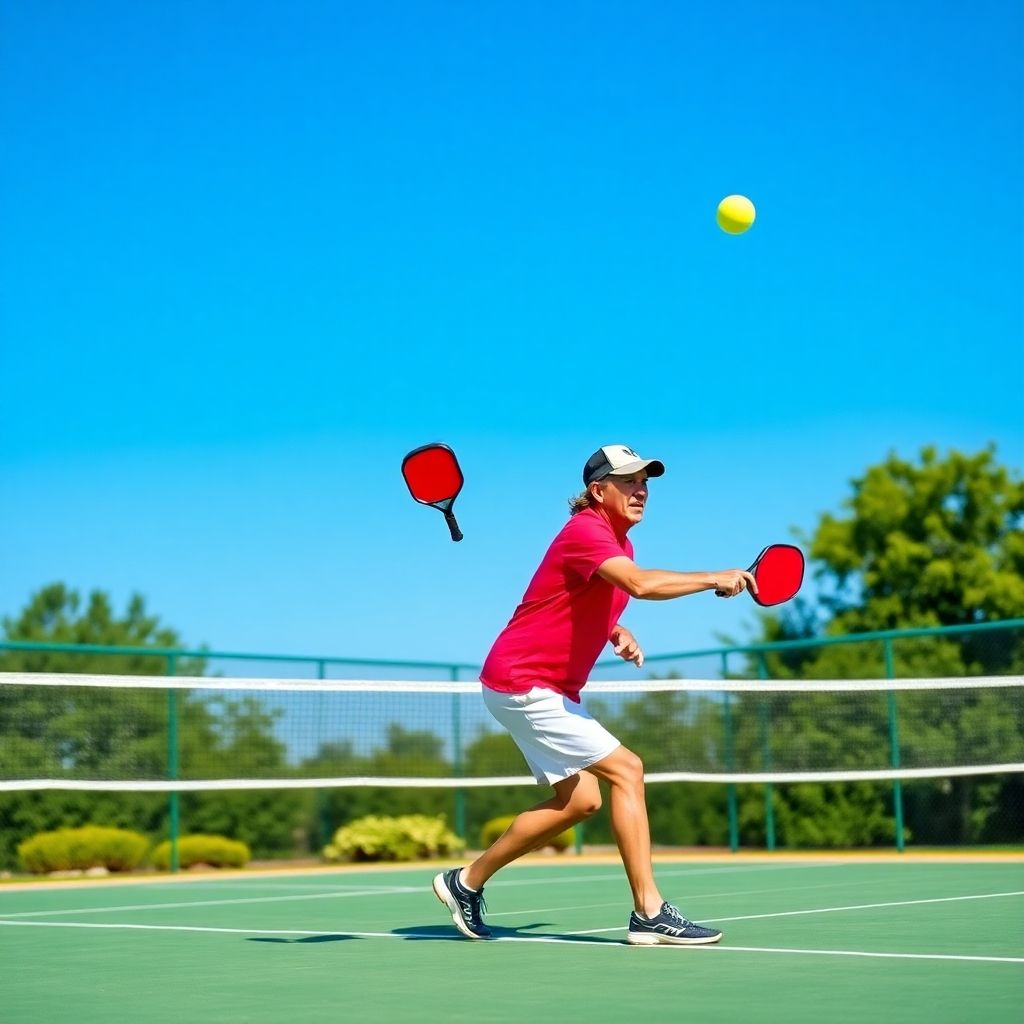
point(566, 615)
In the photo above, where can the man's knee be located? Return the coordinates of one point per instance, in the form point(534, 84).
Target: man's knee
point(626, 768)
point(635, 768)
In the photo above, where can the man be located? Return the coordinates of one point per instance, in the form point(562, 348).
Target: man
point(532, 679)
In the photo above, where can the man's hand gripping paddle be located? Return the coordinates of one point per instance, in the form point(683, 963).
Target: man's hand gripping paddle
point(434, 478)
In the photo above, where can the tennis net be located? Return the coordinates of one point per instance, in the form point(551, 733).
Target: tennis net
point(163, 733)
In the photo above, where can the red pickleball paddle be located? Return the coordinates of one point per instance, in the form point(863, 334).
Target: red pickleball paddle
point(779, 571)
point(434, 478)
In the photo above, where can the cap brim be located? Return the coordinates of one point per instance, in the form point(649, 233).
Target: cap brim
point(653, 467)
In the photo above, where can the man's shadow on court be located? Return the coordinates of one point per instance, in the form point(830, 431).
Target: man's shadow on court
point(442, 933)
point(524, 931)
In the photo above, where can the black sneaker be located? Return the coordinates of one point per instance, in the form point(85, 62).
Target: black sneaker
point(668, 927)
point(465, 905)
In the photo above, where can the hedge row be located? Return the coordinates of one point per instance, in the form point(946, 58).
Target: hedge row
point(408, 837)
point(371, 838)
point(118, 849)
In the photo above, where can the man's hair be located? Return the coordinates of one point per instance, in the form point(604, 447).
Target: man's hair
point(580, 501)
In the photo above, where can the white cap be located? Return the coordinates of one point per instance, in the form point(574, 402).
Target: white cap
point(618, 460)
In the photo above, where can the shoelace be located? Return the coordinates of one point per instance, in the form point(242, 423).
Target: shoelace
point(672, 913)
point(474, 904)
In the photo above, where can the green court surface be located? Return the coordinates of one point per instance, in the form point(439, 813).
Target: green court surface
point(805, 940)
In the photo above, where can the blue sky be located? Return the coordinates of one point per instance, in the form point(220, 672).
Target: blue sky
point(251, 254)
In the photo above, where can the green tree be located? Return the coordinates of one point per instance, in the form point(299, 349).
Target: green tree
point(97, 732)
point(57, 615)
point(936, 542)
point(932, 542)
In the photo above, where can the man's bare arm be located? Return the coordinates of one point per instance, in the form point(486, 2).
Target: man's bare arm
point(664, 584)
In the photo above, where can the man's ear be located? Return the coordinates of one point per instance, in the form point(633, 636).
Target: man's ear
point(596, 492)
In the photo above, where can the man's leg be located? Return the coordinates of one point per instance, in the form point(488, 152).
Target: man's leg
point(654, 921)
point(575, 798)
point(624, 773)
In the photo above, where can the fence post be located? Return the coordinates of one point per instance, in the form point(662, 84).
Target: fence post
point(730, 764)
point(460, 793)
point(172, 763)
point(323, 824)
point(894, 744)
point(769, 808)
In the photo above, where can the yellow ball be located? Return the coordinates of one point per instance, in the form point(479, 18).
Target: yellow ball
point(735, 214)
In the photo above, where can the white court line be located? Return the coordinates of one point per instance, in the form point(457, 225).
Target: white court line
point(689, 899)
point(568, 940)
point(390, 891)
point(617, 876)
point(350, 892)
point(663, 873)
point(242, 886)
point(192, 928)
point(872, 906)
point(835, 910)
point(859, 952)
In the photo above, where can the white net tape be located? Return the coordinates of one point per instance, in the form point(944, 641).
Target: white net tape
point(417, 686)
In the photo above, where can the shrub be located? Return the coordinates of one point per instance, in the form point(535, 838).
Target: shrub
point(215, 851)
point(408, 837)
point(496, 826)
point(78, 849)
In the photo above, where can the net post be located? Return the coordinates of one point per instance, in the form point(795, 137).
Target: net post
point(460, 793)
point(769, 808)
point(174, 805)
point(730, 764)
point(894, 744)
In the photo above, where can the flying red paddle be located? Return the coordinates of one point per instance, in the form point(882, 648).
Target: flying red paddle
point(779, 571)
point(434, 478)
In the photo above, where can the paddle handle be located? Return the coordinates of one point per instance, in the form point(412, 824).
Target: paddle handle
point(453, 526)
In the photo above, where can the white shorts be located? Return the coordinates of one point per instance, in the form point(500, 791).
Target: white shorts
point(556, 735)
